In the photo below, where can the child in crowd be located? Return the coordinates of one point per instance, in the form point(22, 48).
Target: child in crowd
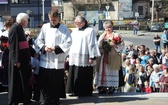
point(130, 79)
point(35, 78)
point(147, 88)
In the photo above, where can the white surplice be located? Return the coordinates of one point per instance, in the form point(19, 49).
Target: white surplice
point(53, 37)
point(84, 46)
point(5, 33)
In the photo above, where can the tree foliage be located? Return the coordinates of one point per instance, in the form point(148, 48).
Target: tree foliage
point(85, 5)
point(100, 2)
point(165, 5)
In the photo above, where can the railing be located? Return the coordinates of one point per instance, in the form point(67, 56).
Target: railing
point(130, 27)
point(34, 31)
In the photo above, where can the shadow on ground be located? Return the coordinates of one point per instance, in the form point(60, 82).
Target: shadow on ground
point(95, 99)
point(100, 100)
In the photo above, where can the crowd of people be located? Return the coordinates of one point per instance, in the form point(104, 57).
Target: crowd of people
point(57, 62)
point(147, 69)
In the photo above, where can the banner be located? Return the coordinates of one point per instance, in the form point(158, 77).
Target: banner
point(125, 5)
point(3, 1)
point(125, 14)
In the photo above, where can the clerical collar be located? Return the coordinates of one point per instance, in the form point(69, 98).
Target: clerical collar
point(83, 28)
point(20, 26)
point(56, 26)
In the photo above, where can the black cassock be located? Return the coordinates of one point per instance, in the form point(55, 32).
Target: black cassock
point(19, 90)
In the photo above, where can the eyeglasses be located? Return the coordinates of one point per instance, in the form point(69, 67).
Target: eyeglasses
point(78, 23)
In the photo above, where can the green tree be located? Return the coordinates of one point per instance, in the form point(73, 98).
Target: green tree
point(157, 10)
point(100, 2)
point(165, 5)
point(83, 5)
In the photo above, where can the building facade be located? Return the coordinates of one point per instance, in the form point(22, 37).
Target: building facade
point(33, 8)
point(118, 9)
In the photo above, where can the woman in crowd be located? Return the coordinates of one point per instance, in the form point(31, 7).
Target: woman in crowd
point(109, 75)
point(141, 78)
point(165, 58)
point(125, 66)
point(144, 57)
point(163, 81)
point(149, 71)
point(162, 54)
point(154, 78)
point(138, 62)
point(150, 63)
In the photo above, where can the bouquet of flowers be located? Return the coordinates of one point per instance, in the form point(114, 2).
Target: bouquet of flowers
point(106, 44)
point(117, 40)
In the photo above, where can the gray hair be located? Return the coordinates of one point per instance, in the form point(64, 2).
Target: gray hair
point(22, 17)
point(107, 24)
point(80, 18)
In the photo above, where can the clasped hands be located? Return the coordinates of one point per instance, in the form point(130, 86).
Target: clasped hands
point(17, 64)
point(90, 61)
point(112, 44)
point(49, 49)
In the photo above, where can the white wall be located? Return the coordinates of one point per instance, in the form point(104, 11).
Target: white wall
point(135, 8)
point(68, 11)
point(114, 14)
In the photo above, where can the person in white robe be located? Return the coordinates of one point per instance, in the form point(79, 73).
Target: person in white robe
point(83, 52)
point(54, 41)
point(109, 74)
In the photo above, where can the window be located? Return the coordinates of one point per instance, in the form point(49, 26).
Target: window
point(15, 1)
point(140, 10)
point(24, 1)
point(20, 1)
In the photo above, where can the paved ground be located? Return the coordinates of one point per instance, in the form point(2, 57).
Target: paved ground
point(113, 99)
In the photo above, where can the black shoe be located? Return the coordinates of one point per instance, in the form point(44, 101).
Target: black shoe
point(102, 90)
point(111, 90)
point(13, 104)
point(28, 103)
point(72, 95)
point(57, 102)
point(35, 100)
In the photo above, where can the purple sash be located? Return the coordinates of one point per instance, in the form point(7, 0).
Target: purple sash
point(23, 45)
